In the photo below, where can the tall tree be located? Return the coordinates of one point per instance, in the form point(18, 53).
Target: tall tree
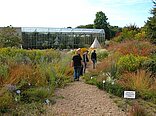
point(100, 22)
point(89, 26)
point(150, 25)
point(9, 37)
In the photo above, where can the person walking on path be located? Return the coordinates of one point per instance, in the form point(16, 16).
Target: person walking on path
point(77, 64)
point(94, 58)
point(85, 60)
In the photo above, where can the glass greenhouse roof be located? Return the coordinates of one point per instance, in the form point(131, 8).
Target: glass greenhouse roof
point(62, 30)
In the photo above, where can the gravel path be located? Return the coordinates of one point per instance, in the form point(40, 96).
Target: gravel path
point(80, 99)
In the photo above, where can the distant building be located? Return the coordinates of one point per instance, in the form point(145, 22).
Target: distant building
point(63, 38)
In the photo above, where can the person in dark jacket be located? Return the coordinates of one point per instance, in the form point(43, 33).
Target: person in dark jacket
point(77, 64)
point(94, 58)
point(85, 60)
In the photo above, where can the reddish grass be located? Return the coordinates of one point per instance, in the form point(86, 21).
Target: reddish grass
point(142, 48)
point(137, 110)
point(28, 73)
point(103, 65)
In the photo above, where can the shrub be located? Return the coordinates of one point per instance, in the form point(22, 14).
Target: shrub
point(115, 88)
point(112, 71)
point(36, 73)
point(35, 94)
point(101, 55)
point(150, 65)
point(31, 109)
point(3, 73)
point(33, 56)
point(6, 101)
point(140, 36)
point(130, 62)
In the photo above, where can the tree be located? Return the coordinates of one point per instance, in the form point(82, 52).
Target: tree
point(114, 31)
point(89, 26)
point(56, 42)
point(150, 25)
point(9, 37)
point(130, 32)
point(100, 22)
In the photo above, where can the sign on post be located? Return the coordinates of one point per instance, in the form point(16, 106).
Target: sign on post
point(129, 94)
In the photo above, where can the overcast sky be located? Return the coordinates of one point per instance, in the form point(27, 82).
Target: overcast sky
point(65, 13)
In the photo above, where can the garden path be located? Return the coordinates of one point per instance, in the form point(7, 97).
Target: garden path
point(80, 99)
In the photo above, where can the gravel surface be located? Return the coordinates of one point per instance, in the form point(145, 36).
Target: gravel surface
point(80, 99)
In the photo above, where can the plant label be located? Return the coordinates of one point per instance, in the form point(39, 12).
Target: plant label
point(129, 94)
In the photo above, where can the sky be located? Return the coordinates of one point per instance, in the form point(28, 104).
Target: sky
point(72, 13)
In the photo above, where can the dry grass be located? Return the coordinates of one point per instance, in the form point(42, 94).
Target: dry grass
point(105, 64)
point(139, 81)
point(142, 48)
point(25, 72)
point(137, 110)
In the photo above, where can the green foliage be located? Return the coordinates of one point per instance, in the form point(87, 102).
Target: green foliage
point(29, 56)
point(31, 109)
point(36, 73)
point(3, 71)
point(100, 22)
point(149, 96)
point(130, 62)
point(112, 71)
point(150, 65)
point(5, 101)
point(140, 35)
point(89, 26)
point(35, 95)
point(108, 84)
point(9, 37)
point(131, 32)
point(126, 34)
point(91, 78)
point(115, 89)
point(101, 55)
point(150, 25)
point(92, 81)
point(114, 31)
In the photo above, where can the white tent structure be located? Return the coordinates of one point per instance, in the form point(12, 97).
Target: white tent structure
point(95, 44)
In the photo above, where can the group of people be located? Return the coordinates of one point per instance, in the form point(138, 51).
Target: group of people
point(80, 63)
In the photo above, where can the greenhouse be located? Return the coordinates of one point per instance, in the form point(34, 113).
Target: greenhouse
point(62, 38)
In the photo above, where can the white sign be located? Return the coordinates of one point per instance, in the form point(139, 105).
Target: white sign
point(129, 94)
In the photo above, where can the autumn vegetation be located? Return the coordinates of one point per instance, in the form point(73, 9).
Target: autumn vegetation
point(28, 78)
point(130, 66)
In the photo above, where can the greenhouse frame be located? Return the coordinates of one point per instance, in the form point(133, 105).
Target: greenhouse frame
point(62, 38)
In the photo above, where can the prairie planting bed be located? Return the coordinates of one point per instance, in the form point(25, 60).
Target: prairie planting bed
point(129, 66)
point(28, 79)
